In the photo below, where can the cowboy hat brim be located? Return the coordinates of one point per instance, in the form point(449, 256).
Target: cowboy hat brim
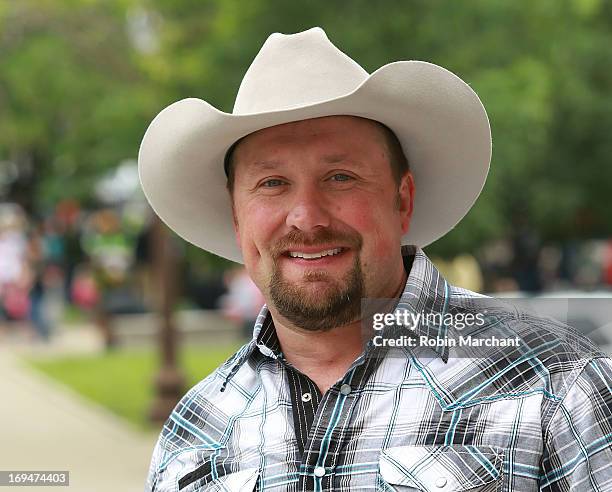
point(439, 120)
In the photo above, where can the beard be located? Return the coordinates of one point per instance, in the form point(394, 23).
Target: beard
point(318, 308)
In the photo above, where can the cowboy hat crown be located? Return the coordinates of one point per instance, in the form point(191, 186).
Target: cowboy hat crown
point(295, 70)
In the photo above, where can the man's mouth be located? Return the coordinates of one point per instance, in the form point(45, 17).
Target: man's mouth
point(315, 255)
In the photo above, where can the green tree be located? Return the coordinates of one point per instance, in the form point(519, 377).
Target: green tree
point(72, 98)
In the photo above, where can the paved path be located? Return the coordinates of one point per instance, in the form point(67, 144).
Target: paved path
point(45, 426)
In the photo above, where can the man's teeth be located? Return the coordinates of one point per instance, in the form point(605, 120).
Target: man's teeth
point(311, 256)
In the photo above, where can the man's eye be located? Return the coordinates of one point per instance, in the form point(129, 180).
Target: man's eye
point(341, 177)
point(271, 183)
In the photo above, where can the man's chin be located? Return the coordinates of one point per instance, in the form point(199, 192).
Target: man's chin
point(317, 301)
point(312, 293)
point(317, 306)
point(317, 316)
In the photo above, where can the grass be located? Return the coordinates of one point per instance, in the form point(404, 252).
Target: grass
point(122, 381)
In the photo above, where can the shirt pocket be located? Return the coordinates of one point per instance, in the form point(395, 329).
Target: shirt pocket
point(241, 481)
point(443, 468)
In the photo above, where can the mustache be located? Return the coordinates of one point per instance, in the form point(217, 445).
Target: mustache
point(296, 238)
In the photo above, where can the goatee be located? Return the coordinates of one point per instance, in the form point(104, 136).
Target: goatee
point(337, 303)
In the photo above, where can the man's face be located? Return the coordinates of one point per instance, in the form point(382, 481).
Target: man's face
point(319, 217)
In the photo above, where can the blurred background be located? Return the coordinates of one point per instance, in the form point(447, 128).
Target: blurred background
point(106, 318)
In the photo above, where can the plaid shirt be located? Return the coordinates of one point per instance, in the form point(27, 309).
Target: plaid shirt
point(537, 417)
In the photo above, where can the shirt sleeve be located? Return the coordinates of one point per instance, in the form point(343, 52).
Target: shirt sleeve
point(577, 451)
point(153, 477)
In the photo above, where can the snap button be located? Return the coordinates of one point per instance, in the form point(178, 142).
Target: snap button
point(266, 351)
point(319, 471)
point(345, 389)
point(441, 482)
point(306, 397)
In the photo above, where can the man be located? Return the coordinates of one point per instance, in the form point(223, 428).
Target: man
point(329, 171)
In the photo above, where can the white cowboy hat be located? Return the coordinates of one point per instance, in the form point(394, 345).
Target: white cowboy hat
point(438, 119)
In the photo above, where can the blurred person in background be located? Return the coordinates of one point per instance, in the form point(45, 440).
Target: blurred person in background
point(14, 302)
point(68, 214)
point(526, 249)
point(110, 251)
point(143, 262)
point(243, 300)
point(607, 266)
point(54, 245)
point(37, 264)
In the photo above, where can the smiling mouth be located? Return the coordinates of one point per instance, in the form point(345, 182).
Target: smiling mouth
point(314, 256)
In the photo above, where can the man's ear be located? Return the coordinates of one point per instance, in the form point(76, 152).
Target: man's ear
point(406, 200)
point(237, 235)
point(236, 228)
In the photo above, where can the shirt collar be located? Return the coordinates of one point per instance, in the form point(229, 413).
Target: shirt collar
point(426, 291)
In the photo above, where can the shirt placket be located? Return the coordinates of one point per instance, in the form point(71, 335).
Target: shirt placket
point(321, 422)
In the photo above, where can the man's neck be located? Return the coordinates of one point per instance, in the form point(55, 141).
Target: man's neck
point(324, 356)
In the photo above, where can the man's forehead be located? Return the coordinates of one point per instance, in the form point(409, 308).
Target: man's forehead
point(343, 127)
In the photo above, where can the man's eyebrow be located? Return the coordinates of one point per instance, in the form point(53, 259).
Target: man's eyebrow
point(258, 166)
point(333, 158)
point(272, 164)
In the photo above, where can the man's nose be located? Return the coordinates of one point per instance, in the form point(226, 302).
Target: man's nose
point(308, 211)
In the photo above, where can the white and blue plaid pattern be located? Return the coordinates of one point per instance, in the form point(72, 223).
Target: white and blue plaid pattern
point(539, 418)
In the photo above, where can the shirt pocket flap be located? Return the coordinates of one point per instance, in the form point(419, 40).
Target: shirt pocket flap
point(443, 468)
point(240, 481)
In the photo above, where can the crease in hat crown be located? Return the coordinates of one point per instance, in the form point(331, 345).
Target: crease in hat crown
point(293, 70)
